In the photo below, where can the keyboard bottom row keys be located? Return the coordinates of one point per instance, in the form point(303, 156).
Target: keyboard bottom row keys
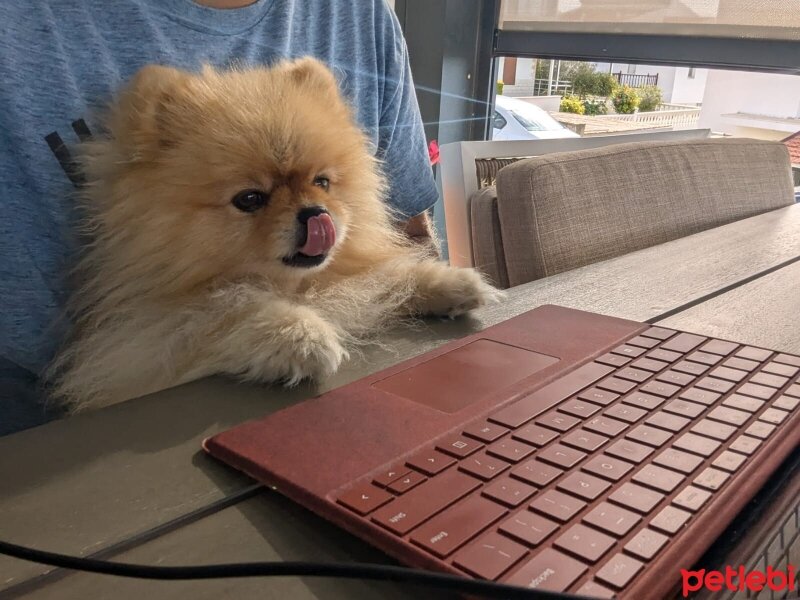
point(548, 570)
point(489, 556)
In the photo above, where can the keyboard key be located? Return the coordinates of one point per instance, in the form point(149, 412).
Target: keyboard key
point(788, 359)
point(728, 374)
point(584, 542)
point(508, 491)
point(630, 451)
point(430, 462)
point(743, 403)
point(745, 444)
point(489, 556)
point(683, 342)
point(793, 390)
point(583, 485)
point(619, 571)
point(613, 360)
point(558, 505)
point(386, 477)
point(756, 354)
point(485, 432)
point(697, 444)
point(645, 401)
point(691, 368)
point(548, 570)
point(648, 364)
point(616, 385)
point(444, 534)
point(534, 434)
point(649, 435)
point(769, 380)
point(729, 461)
point(579, 408)
point(786, 403)
point(629, 414)
point(605, 426)
point(406, 482)
point(741, 363)
point(676, 378)
point(715, 385)
point(636, 497)
point(643, 342)
point(364, 498)
point(691, 498)
point(629, 351)
point(776, 368)
point(704, 358)
point(531, 406)
point(713, 429)
point(561, 456)
point(659, 333)
point(719, 347)
point(424, 501)
point(558, 421)
point(670, 520)
point(659, 388)
point(678, 461)
point(510, 450)
point(658, 478)
point(646, 544)
point(667, 421)
point(590, 589)
point(761, 392)
point(598, 396)
point(684, 408)
point(458, 446)
point(612, 519)
point(664, 355)
point(529, 528)
point(635, 375)
point(584, 440)
point(536, 473)
point(725, 414)
point(706, 397)
point(711, 479)
point(760, 430)
point(483, 466)
point(773, 415)
point(608, 467)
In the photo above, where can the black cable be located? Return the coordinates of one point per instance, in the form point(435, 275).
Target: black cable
point(362, 571)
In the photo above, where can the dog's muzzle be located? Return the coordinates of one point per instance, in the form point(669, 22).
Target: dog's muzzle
point(316, 237)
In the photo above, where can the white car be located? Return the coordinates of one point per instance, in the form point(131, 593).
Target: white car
point(515, 119)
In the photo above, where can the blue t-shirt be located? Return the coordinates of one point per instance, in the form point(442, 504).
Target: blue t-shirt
point(61, 60)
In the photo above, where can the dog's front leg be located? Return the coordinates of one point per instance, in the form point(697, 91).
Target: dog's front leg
point(441, 290)
point(277, 340)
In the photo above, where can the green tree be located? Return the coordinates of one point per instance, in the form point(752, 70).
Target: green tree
point(625, 100)
point(650, 97)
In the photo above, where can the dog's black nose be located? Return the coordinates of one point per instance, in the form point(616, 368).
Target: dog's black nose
point(304, 214)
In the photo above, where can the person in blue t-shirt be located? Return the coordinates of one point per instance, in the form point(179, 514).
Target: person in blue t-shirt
point(62, 60)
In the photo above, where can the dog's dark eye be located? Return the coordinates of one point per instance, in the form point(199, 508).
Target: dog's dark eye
point(250, 200)
point(322, 182)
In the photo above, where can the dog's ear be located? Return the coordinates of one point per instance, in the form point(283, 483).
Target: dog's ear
point(154, 107)
point(313, 74)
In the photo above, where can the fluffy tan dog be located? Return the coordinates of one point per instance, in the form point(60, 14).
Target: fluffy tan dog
point(238, 227)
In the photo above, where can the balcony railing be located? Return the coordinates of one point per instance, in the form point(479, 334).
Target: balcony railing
point(635, 81)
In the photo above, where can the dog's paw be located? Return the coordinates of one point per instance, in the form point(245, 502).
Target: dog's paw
point(451, 292)
point(310, 348)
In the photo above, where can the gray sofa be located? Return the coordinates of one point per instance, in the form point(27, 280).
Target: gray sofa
point(560, 211)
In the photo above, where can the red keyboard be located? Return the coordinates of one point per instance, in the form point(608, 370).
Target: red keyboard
point(595, 479)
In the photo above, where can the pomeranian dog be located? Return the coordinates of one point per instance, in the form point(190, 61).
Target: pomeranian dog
point(238, 226)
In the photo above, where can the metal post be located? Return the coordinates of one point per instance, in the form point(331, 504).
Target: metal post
point(550, 79)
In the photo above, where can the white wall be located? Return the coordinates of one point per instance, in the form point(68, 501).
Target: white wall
point(766, 94)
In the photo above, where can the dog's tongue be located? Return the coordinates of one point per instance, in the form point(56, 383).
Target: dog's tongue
point(321, 235)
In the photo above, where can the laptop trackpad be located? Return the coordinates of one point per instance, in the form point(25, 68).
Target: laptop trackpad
point(465, 375)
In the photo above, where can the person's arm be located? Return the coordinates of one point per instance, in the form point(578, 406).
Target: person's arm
point(402, 145)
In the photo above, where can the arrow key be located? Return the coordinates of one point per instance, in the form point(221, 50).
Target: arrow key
point(364, 498)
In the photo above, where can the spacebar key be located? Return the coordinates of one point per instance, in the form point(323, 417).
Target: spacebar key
point(525, 409)
point(424, 501)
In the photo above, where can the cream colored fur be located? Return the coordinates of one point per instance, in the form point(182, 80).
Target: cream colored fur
point(177, 284)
